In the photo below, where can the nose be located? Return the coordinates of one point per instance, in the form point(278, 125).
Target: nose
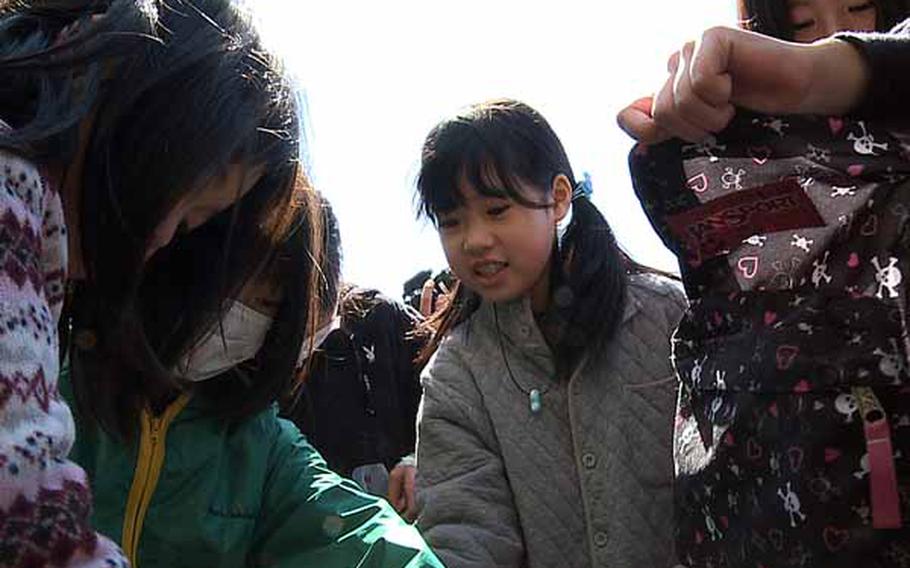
point(477, 238)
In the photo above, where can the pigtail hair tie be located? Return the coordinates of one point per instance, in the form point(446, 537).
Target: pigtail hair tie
point(583, 189)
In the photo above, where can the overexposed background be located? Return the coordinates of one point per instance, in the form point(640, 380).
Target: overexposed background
point(378, 75)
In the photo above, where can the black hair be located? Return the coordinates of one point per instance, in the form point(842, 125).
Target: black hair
point(772, 17)
point(169, 94)
point(495, 146)
point(330, 260)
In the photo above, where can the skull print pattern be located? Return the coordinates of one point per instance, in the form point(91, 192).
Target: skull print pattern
point(800, 307)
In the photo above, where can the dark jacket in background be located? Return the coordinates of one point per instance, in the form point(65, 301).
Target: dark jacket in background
point(358, 405)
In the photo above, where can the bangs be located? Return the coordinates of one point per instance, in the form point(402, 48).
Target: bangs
point(492, 160)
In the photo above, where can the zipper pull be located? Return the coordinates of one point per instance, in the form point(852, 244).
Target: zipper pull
point(154, 428)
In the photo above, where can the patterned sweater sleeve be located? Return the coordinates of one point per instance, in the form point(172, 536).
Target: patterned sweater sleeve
point(45, 501)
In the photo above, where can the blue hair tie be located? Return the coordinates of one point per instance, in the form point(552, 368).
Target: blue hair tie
point(584, 188)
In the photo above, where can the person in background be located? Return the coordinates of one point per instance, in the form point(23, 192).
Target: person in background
point(544, 436)
point(427, 293)
point(808, 21)
point(357, 400)
point(413, 287)
point(808, 57)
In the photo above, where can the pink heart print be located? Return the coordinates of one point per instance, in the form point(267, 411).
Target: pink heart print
point(748, 265)
point(760, 154)
point(698, 183)
point(856, 170)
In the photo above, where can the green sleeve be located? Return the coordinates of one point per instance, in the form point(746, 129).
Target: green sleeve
point(310, 516)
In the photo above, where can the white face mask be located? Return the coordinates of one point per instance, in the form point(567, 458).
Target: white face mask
point(311, 343)
point(244, 332)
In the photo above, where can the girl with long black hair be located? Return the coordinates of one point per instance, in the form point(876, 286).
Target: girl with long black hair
point(546, 424)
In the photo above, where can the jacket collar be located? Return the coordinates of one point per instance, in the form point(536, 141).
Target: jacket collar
point(516, 321)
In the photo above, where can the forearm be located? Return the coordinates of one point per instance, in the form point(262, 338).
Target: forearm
point(840, 79)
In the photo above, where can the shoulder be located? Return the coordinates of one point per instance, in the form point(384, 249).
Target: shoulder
point(468, 344)
point(289, 449)
point(654, 292)
point(655, 306)
point(449, 364)
point(449, 378)
point(656, 286)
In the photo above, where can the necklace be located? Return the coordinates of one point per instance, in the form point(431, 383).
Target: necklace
point(535, 395)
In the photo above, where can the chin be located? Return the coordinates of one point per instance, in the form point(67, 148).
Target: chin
point(499, 296)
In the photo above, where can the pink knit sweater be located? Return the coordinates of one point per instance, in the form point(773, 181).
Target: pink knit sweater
point(45, 501)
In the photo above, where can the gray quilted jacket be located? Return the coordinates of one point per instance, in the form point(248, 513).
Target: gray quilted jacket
point(586, 481)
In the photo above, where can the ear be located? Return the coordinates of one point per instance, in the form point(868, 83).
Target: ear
point(562, 196)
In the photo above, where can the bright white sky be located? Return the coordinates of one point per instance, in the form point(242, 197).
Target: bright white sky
point(379, 75)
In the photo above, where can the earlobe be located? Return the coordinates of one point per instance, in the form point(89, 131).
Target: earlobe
point(562, 196)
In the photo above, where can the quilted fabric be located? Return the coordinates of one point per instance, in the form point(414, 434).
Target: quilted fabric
point(584, 482)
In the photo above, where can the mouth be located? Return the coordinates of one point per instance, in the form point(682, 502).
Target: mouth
point(489, 269)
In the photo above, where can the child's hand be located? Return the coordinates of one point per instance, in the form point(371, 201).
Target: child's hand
point(730, 67)
point(429, 304)
point(426, 298)
point(401, 490)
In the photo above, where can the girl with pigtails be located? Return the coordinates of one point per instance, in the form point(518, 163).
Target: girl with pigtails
point(545, 430)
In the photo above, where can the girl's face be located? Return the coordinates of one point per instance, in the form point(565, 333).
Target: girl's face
point(199, 206)
point(817, 19)
point(501, 249)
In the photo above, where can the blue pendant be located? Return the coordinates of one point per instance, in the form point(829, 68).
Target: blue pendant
point(534, 399)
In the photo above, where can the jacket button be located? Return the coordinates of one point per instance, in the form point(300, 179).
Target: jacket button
point(600, 539)
point(525, 330)
point(589, 460)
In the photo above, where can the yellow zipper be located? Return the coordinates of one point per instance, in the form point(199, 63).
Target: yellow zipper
point(148, 467)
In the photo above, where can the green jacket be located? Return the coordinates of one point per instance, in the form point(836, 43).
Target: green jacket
point(195, 491)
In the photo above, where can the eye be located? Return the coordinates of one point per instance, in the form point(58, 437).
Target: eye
point(800, 26)
point(862, 7)
point(498, 210)
point(446, 223)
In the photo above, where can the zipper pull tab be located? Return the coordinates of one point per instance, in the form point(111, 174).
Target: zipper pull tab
point(154, 428)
